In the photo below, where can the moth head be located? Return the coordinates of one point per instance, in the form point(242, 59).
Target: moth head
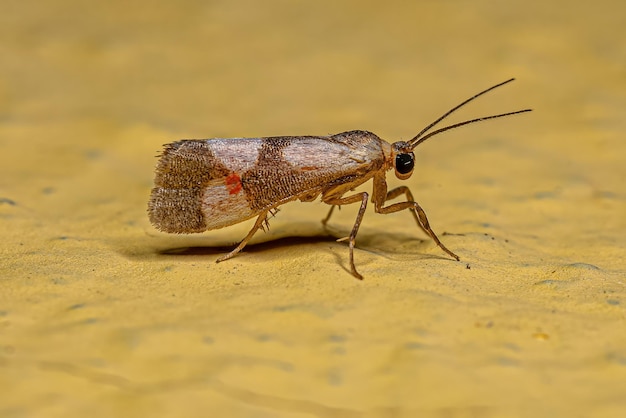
point(403, 159)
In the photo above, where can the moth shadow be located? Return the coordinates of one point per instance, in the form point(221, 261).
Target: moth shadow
point(252, 248)
point(392, 245)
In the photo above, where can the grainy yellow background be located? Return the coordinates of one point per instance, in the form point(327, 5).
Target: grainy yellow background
point(101, 315)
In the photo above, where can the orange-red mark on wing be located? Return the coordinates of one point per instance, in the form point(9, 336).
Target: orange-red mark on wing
point(233, 183)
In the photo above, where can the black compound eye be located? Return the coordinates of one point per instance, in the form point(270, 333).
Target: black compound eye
point(405, 163)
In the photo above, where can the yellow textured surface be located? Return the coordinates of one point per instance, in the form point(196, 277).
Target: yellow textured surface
point(100, 315)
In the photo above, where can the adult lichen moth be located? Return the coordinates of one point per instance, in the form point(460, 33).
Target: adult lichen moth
point(205, 184)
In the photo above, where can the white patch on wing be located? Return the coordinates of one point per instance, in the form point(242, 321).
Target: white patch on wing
point(318, 153)
point(238, 154)
point(221, 208)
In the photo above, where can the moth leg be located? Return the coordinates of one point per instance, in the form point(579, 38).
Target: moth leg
point(336, 201)
point(418, 214)
point(260, 221)
point(404, 190)
point(330, 212)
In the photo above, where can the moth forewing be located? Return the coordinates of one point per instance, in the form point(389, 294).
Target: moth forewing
point(209, 184)
point(196, 176)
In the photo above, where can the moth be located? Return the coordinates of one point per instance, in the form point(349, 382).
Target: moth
point(206, 184)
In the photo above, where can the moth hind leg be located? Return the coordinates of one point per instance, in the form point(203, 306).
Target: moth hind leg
point(327, 218)
point(261, 223)
point(265, 225)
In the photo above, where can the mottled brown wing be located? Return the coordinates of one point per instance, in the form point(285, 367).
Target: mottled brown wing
point(290, 168)
point(197, 188)
point(210, 184)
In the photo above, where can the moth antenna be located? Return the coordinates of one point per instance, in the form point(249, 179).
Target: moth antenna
point(467, 122)
point(415, 139)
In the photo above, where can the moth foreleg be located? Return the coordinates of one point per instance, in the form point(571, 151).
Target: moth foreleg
point(260, 221)
point(404, 190)
point(416, 210)
point(363, 197)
